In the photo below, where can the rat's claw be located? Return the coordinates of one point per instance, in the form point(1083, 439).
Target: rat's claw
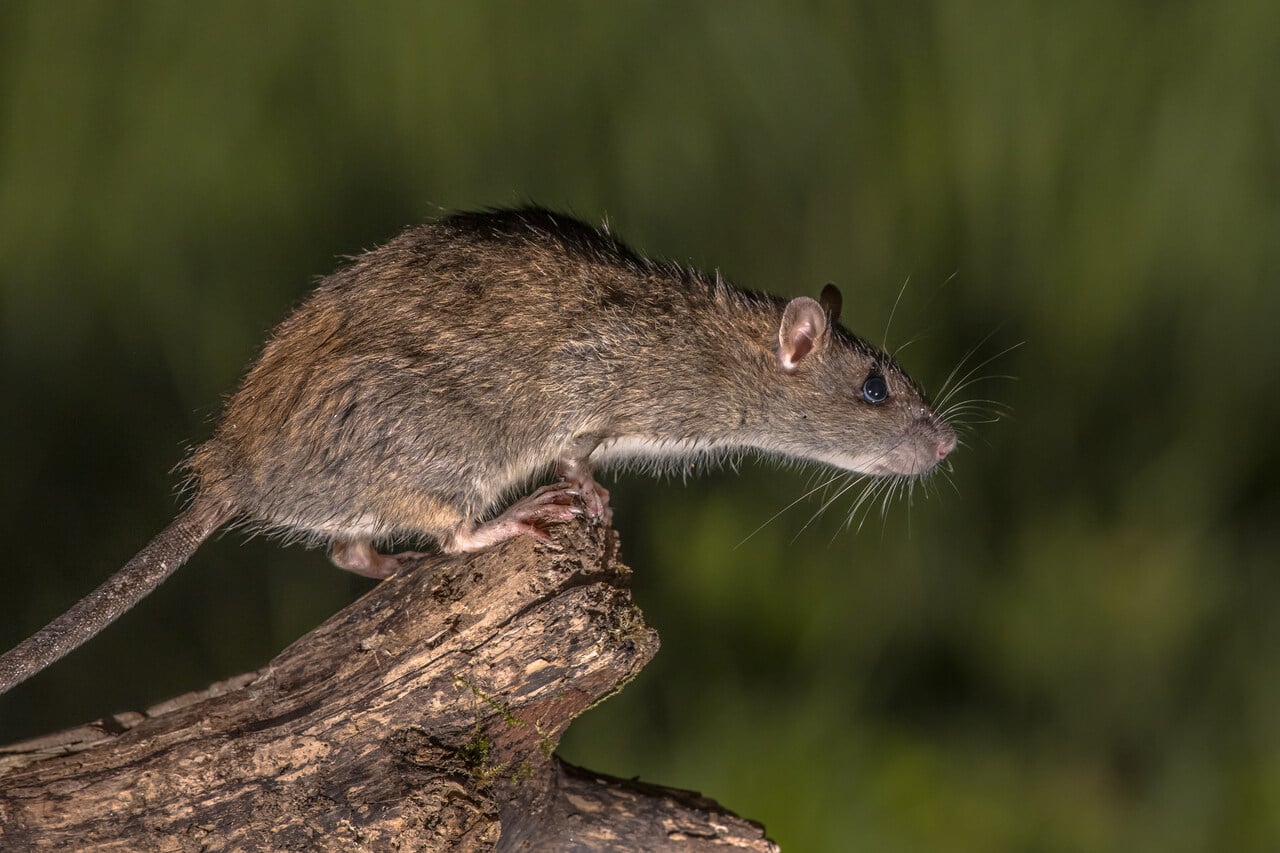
point(595, 497)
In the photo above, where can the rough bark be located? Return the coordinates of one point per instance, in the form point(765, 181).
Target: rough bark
point(423, 717)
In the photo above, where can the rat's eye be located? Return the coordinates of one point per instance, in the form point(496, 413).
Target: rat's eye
point(875, 389)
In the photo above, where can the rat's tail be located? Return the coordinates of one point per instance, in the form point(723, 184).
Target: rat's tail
point(146, 571)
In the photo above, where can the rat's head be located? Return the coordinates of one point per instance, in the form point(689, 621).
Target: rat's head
point(849, 404)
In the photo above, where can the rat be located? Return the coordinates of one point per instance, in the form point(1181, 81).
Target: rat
point(424, 384)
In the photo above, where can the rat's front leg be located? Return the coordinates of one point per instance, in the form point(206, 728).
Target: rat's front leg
point(575, 495)
point(595, 497)
point(558, 502)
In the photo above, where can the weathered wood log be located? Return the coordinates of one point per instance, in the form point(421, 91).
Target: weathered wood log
point(422, 717)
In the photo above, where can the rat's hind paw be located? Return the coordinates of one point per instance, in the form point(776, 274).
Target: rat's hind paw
point(359, 556)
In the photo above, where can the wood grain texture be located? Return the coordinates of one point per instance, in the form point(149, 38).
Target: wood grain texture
point(423, 717)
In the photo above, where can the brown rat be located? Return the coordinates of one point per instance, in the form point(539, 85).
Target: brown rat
point(434, 377)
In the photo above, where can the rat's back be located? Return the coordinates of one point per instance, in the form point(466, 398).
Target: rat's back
point(432, 372)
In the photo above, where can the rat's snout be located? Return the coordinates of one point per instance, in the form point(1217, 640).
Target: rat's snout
point(928, 441)
point(946, 442)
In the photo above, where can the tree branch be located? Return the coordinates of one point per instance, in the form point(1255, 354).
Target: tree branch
point(422, 717)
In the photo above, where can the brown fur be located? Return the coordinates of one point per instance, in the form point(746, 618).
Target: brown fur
point(421, 386)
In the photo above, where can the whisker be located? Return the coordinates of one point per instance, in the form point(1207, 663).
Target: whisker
point(869, 499)
point(977, 413)
point(889, 323)
point(938, 289)
point(983, 378)
point(909, 342)
point(973, 350)
point(823, 508)
point(870, 489)
point(960, 383)
point(824, 484)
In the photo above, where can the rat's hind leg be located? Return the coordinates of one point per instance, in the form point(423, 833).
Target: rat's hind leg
point(526, 517)
point(359, 556)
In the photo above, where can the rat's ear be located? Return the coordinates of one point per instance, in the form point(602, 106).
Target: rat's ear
point(803, 329)
point(831, 300)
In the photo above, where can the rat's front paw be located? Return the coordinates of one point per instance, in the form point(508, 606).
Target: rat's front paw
point(529, 516)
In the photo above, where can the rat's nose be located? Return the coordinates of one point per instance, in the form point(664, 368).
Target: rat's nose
point(946, 444)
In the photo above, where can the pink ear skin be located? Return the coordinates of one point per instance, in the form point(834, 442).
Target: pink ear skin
point(831, 300)
point(803, 330)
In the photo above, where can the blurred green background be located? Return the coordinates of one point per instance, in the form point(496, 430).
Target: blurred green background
point(1076, 648)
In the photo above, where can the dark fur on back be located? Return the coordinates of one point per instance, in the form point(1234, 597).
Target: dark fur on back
point(426, 381)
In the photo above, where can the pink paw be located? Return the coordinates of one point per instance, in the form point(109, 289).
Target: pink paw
point(556, 503)
point(359, 556)
point(595, 497)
